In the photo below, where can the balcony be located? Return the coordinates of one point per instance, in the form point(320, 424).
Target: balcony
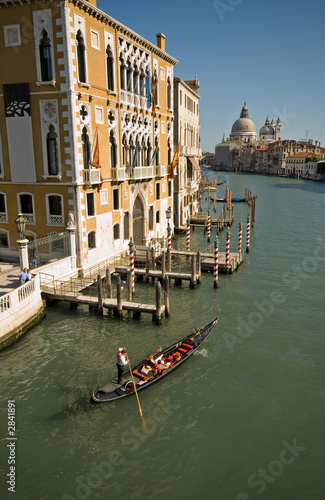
point(92, 176)
point(118, 174)
point(138, 173)
point(160, 171)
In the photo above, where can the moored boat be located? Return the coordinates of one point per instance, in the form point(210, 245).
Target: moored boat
point(154, 367)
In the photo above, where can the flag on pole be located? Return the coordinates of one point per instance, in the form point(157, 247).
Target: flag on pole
point(154, 155)
point(135, 157)
point(154, 94)
point(95, 163)
point(174, 163)
point(149, 93)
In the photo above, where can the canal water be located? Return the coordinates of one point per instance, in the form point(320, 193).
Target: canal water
point(243, 419)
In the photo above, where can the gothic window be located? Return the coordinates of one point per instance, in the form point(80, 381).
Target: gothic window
point(124, 150)
point(169, 94)
point(113, 149)
point(91, 240)
point(157, 159)
point(151, 218)
point(122, 74)
point(129, 74)
point(136, 80)
point(86, 150)
point(116, 199)
point(126, 225)
point(155, 87)
point(26, 206)
point(169, 153)
point(149, 152)
point(158, 191)
point(52, 152)
point(45, 58)
point(81, 57)
point(4, 239)
point(142, 83)
point(157, 217)
point(3, 210)
point(116, 231)
point(90, 204)
point(131, 152)
point(54, 209)
point(110, 68)
point(169, 188)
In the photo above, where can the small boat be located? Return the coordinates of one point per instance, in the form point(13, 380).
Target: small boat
point(154, 367)
point(232, 199)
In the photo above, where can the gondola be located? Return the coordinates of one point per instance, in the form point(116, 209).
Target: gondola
point(232, 199)
point(155, 367)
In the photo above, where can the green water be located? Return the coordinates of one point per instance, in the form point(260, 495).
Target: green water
point(243, 419)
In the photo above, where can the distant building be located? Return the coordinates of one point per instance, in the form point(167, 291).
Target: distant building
point(244, 128)
point(270, 131)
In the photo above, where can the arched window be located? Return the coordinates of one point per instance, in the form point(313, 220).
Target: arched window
point(155, 87)
point(81, 57)
point(149, 152)
point(110, 68)
point(169, 153)
point(4, 238)
point(169, 94)
point(126, 225)
point(26, 206)
point(124, 150)
point(113, 149)
point(136, 80)
point(55, 209)
point(122, 74)
point(91, 240)
point(52, 152)
point(157, 159)
point(45, 58)
point(3, 207)
point(116, 231)
point(142, 84)
point(86, 150)
point(129, 73)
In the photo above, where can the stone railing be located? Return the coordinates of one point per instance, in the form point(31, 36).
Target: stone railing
point(19, 309)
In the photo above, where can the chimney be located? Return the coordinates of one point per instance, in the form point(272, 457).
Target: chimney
point(161, 41)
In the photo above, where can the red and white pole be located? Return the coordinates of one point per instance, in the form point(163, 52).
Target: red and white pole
point(248, 233)
point(209, 224)
point(216, 262)
point(228, 250)
point(240, 235)
point(169, 237)
point(131, 245)
point(188, 235)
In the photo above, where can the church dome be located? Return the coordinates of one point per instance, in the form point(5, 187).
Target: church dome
point(243, 125)
point(244, 128)
point(267, 130)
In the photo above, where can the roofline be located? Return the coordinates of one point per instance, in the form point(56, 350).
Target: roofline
point(102, 16)
point(179, 80)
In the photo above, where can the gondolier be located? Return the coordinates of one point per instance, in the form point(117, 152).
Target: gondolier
point(121, 361)
point(146, 372)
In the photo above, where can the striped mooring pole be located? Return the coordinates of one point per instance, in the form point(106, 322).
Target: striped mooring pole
point(248, 233)
point(169, 237)
point(209, 224)
point(188, 235)
point(216, 262)
point(228, 249)
point(131, 245)
point(240, 235)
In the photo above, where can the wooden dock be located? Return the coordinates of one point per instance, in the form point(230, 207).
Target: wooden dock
point(74, 292)
point(206, 260)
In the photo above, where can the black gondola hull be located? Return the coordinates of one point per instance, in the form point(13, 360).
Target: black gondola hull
point(113, 391)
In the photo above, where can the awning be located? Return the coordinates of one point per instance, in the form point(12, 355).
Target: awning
point(194, 162)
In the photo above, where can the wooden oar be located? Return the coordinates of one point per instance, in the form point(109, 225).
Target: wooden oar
point(135, 388)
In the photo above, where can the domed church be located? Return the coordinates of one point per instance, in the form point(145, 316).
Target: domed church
point(244, 128)
point(270, 131)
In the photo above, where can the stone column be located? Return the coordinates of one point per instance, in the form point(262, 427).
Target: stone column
point(23, 253)
point(71, 228)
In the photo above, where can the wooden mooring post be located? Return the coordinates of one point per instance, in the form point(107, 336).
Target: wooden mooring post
point(166, 293)
point(100, 295)
point(108, 284)
point(158, 303)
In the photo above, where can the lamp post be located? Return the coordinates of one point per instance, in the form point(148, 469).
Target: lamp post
point(22, 242)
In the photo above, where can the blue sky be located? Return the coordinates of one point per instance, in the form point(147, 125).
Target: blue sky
point(269, 53)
